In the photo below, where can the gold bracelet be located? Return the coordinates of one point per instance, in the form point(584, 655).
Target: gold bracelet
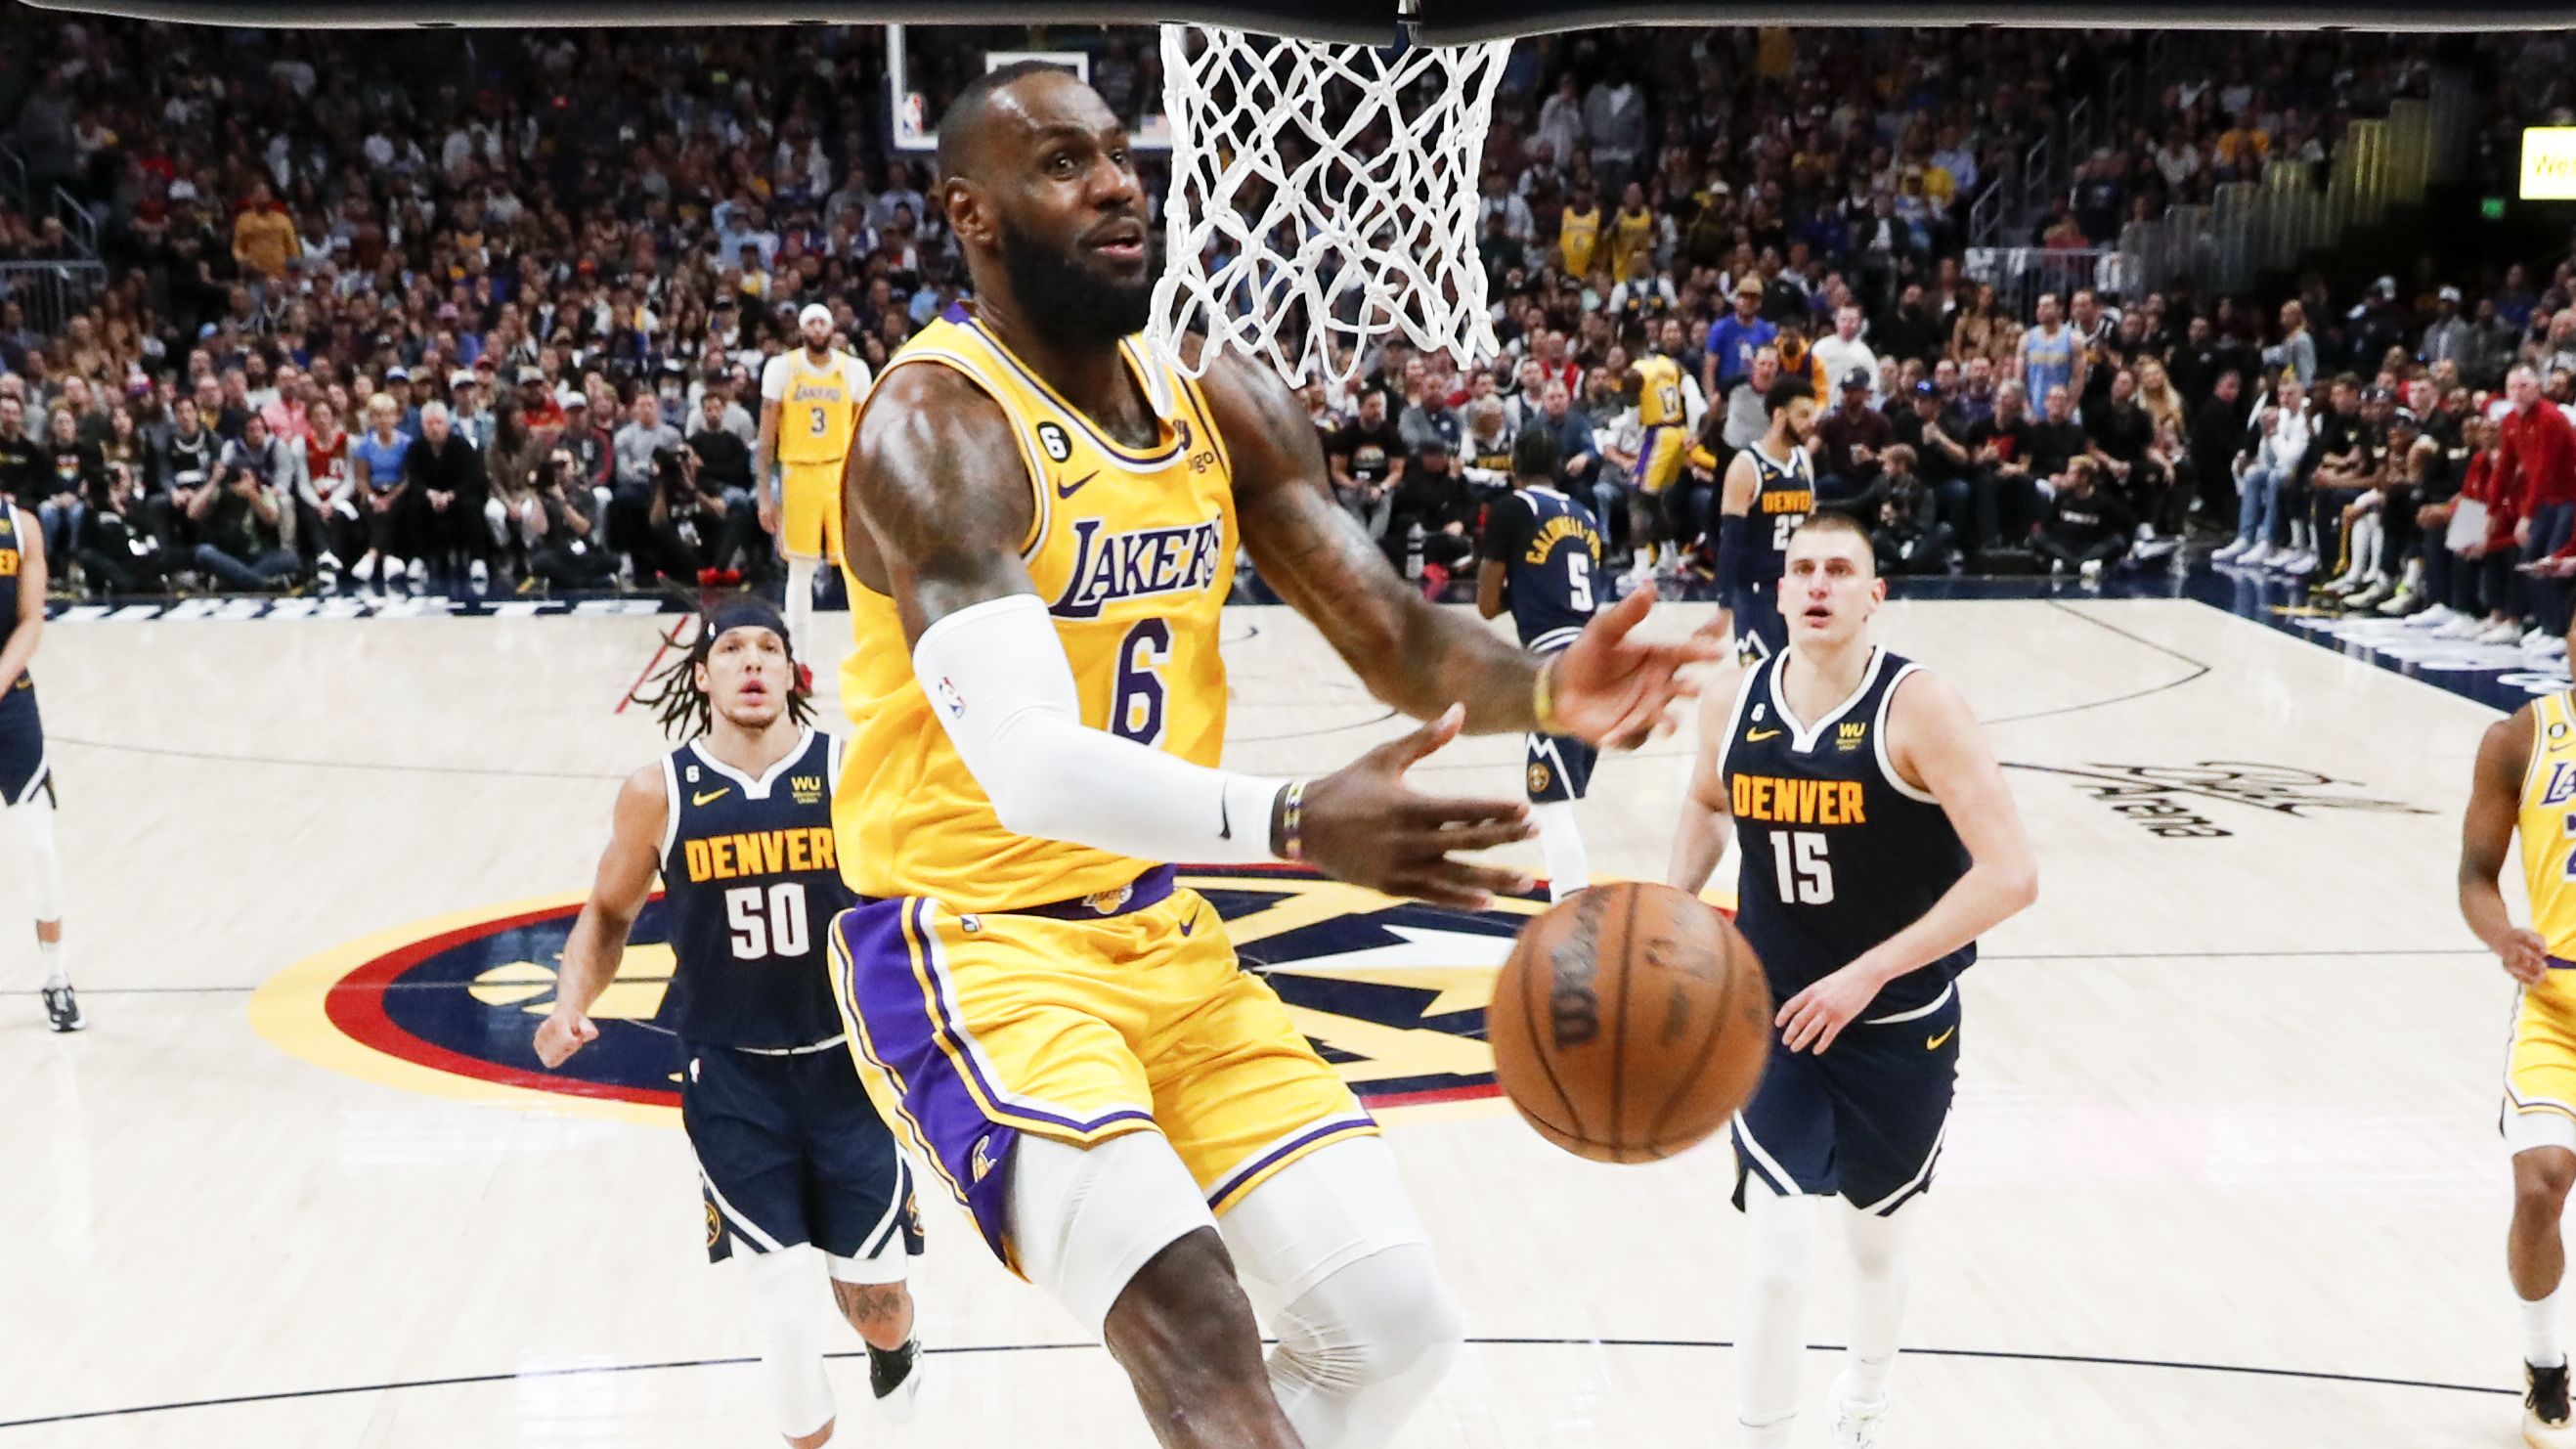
point(1543, 698)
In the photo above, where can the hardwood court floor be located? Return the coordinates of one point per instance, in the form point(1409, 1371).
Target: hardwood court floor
point(2224, 1170)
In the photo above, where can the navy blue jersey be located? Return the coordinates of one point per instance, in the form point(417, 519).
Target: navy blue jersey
point(1552, 547)
point(12, 563)
point(1839, 853)
point(751, 880)
point(1784, 494)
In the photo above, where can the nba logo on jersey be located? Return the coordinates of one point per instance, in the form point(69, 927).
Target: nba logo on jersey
point(2562, 784)
point(949, 699)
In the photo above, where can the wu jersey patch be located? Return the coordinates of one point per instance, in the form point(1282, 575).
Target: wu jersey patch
point(1392, 993)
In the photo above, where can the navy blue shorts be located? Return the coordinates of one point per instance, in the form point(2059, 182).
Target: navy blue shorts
point(24, 769)
point(1760, 632)
point(1560, 768)
point(1863, 1121)
point(791, 1151)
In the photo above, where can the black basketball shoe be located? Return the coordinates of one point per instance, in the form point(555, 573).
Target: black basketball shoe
point(63, 1013)
point(2544, 1408)
point(895, 1378)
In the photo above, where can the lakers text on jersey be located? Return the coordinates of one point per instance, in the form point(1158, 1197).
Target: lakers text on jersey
point(997, 984)
point(1840, 853)
point(2540, 1067)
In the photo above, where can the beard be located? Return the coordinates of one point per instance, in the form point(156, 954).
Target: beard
point(1068, 302)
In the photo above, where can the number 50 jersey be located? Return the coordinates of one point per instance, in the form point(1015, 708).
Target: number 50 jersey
point(751, 880)
point(1839, 853)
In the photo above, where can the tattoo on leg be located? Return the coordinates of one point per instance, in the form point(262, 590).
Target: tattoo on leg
point(879, 1311)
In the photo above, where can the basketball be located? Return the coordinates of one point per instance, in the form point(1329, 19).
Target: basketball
point(1630, 1022)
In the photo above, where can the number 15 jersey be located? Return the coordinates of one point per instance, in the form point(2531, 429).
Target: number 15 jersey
point(1839, 852)
point(1132, 551)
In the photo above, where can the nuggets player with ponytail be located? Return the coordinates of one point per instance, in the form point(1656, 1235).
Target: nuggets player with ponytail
point(793, 1162)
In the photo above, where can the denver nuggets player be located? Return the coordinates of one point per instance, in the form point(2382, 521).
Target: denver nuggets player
point(1664, 413)
point(2526, 784)
point(1542, 553)
point(1879, 843)
point(1770, 489)
point(26, 772)
point(1042, 530)
point(737, 823)
point(809, 405)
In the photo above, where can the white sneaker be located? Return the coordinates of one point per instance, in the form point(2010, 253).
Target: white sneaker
point(420, 573)
point(2547, 649)
point(365, 572)
point(2233, 551)
point(897, 1398)
point(2092, 571)
point(2371, 595)
point(2534, 637)
point(1857, 1422)
point(2301, 565)
point(2509, 632)
point(480, 574)
point(2401, 604)
point(2466, 626)
point(2440, 616)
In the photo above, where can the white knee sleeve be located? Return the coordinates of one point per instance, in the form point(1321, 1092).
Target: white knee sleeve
point(1879, 1280)
point(1360, 1352)
point(1368, 1327)
point(1083, 1222)
point(33, 824)
point(783, 1286)
point(1779, 1260)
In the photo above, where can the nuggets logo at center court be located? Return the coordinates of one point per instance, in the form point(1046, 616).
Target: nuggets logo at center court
point(1392, 993)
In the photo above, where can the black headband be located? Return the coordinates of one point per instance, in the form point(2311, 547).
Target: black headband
point(744, 612)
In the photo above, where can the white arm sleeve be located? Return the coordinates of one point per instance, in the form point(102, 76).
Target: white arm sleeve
point(998, 680)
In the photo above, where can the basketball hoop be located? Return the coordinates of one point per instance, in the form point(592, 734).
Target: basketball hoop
point(1323, 198)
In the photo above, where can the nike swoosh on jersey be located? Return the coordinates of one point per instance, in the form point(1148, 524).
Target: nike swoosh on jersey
point(1757, 736)
point(1067, 490)
point(696, 799)
point(1934, 1044)
point(1192, 925)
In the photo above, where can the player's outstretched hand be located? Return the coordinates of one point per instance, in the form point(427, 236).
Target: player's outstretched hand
point(1817, 1015)
point(561, 1034)
point(1363, 824)
point(2525, 957)
point(1618, 691)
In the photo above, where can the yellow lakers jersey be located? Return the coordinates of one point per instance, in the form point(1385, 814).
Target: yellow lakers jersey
point(2548, 823)
point(1133, 552)
point(1659, 404)
point(819, 413)
point(1632, 240)
point(1578, 236)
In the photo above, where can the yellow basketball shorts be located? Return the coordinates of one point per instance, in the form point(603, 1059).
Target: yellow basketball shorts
point(2540, 1071)
point(971, 1029)
point(1660, 457)
point(809, 510)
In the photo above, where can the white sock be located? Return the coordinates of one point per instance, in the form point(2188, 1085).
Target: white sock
point(2540, 1331)
point(1880, 1276)
point(57, 969)
point(1562, 843)
point(800, 608)
point(1780, 1252)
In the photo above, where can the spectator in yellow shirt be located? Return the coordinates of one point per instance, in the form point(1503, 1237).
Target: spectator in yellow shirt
point(1578, 235)
point(263, 235)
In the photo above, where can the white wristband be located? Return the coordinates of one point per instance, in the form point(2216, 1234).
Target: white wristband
point(998, 680)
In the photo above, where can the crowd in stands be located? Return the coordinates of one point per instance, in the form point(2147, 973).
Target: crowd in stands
point(491, 309)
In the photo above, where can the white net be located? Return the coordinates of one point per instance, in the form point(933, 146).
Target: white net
point(1323, 198)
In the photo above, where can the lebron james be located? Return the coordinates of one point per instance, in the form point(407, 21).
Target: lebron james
point(1042, 523)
